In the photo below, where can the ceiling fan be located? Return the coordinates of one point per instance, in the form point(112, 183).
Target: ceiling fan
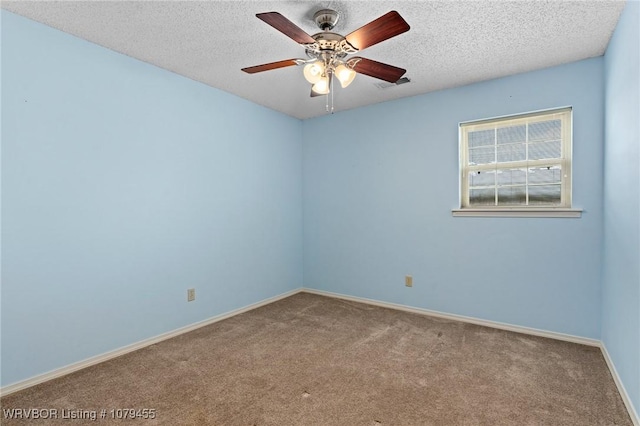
point(328, 52)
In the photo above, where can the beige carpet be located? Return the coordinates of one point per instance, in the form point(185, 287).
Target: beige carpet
point(312, 360)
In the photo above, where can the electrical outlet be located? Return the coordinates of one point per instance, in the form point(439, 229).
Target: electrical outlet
point(408, 281)
point(191, 294)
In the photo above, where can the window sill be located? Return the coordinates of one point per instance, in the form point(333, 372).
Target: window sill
point(518, 212)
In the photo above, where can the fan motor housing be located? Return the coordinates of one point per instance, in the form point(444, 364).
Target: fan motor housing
point(330, 42)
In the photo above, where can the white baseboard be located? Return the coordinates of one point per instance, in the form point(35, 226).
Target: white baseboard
point(635, 419)
point(454, 317)
point(63, 371)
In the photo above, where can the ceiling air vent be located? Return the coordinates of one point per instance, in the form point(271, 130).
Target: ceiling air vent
point(386, 85)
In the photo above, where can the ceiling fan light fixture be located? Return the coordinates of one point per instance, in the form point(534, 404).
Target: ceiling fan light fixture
point(313, 72)
point(322, 86)
point(345, 75)
point(327, 51)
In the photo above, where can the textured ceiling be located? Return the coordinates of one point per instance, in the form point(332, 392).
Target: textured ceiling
point(451, 43)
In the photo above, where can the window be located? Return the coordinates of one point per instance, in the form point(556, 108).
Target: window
point(518, 163)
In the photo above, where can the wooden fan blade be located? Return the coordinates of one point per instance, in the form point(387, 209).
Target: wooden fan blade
point(378, 70)
point(383, 28)
point(270, 66)
point(286, 27)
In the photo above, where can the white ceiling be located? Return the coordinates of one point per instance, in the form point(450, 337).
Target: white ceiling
point(450, 43)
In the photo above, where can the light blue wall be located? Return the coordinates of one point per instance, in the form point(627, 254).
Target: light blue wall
point(621, 270)
point(380, 183)
point(122, 186)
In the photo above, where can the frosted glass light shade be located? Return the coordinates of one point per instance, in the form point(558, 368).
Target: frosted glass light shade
point(322, 86)
point(345, 75)
point(313, 72)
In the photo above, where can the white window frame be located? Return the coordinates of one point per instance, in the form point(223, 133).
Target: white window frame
point(564, 209)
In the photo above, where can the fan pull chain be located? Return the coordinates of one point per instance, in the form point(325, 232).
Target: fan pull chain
point(332, 95)
point(327, 95)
